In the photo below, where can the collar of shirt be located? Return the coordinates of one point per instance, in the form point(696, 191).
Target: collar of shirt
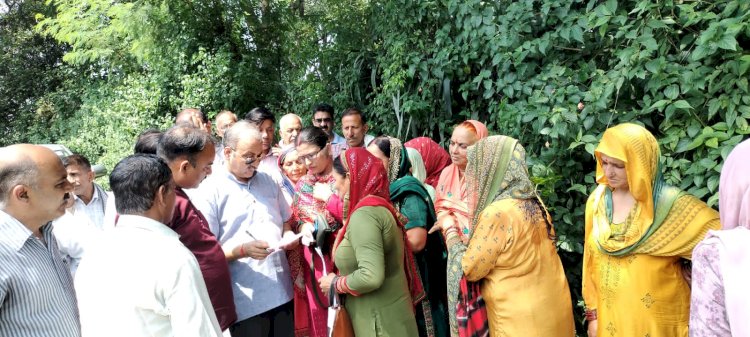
point(94, 197)
point(283, 145)
point(142, 222)
point(231, 177)
point(14, 232)
point(338, 139)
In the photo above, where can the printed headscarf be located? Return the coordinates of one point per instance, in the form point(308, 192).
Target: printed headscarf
point(496, 170)
point(398, 162)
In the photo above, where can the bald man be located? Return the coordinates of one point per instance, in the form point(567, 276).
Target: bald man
point(34, 190)
point(224, 119)
point(289, 127)
point(194, 117)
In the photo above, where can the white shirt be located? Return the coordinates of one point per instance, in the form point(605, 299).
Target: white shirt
point(95, 208)
point(139, 280)
point(239, 212)
point(79, 225)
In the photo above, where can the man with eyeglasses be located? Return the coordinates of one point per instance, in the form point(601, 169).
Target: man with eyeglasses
point(246, 211)
point(323, 118)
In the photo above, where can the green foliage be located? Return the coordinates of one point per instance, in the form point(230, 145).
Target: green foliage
point(29, 69)
point(679, 68)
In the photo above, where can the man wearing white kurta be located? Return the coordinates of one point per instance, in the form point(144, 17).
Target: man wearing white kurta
point(139, 279)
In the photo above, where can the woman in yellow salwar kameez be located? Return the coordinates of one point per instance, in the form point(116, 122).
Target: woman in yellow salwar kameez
point(511, 248)
point(640, 235)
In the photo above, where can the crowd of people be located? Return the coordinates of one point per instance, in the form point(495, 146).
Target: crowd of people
point(217, 229)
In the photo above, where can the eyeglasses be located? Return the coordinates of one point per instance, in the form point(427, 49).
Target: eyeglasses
point(323, 120)
point(249, 160)
point(311, 156)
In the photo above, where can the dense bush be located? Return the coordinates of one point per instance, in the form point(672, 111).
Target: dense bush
point(554, 74)
point(680, 68)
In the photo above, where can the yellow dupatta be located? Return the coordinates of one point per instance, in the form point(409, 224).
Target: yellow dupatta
point(659, 225)
point(665, 225)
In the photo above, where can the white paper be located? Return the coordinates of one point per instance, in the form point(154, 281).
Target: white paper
point(285, 241)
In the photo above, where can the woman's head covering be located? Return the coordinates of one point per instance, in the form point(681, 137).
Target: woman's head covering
point(282, 156)
point(480, 128)
point(650, 230)
point(367, 176)
point(734, 188)
point(286, 184)
point(398, 161)
point(417, 164)
point(496, 170)
point(368, 186)
point(732, 243)
point(638, 148)
point(434, 156)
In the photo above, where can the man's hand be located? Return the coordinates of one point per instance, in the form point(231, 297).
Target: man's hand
point(322, 192)
point(257, 250)
point(197, 121)
point(276, 151)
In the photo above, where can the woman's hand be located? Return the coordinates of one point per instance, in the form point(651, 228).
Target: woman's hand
point(322, 192)
point(291, 241)
point(593, 328)
point(307, 230)
point(443, 223)
point(325, 282)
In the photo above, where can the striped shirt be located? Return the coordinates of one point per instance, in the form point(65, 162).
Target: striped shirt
point(95, 208)
point(36, 291)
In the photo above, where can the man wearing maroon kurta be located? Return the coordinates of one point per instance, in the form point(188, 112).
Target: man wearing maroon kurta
point(190, 153)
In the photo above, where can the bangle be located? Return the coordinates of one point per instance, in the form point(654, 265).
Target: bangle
point(448, 230)
point(242, 250)
point(591, 315)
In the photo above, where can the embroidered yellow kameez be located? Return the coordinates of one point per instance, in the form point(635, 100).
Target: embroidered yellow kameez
point(511, 251)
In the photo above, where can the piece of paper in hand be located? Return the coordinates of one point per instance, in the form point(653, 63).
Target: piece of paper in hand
point(284, 242)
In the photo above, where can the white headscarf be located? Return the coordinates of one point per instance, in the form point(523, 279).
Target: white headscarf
point(418, 170)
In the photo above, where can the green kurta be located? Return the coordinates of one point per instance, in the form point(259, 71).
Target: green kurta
point(432, 262)
point(371, 256)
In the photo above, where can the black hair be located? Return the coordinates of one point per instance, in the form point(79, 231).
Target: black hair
point(136, 179)
point(384, 144)
point(258, 115)
point(183, 141)
point(78, 160)
point(325, 107)
point(338, 166)
point(148, 141)
point(532, 209)
point(312, 135)
point(354, 111)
